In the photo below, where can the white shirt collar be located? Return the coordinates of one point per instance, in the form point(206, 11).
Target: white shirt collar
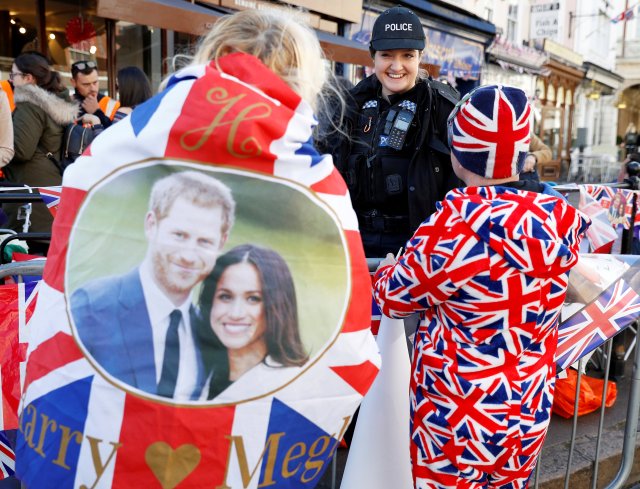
point(162, 305)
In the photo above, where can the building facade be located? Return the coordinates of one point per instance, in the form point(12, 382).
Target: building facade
point(560, 52)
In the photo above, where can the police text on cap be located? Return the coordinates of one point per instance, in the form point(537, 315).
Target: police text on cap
point(398, 27)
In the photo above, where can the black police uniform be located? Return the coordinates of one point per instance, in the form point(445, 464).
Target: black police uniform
point(395, 161)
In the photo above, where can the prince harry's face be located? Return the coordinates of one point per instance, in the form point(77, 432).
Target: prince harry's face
point(184, 246)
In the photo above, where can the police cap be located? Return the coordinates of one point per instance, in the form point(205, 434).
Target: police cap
point(397, 28)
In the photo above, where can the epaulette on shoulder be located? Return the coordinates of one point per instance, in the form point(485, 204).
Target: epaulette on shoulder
point(446, 90)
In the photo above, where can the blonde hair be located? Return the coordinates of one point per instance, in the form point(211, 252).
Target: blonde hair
point(278, 38)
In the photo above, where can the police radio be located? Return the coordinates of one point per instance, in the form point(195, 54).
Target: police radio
point(399, 129)
point(398, 123)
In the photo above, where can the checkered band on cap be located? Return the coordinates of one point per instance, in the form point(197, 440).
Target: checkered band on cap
point(489, 131)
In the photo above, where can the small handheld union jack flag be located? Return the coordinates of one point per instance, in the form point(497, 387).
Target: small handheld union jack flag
point(51, 197)
point(614, 308)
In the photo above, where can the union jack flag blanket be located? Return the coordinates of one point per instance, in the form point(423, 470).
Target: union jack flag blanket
point(83, 424)
point(488, 274)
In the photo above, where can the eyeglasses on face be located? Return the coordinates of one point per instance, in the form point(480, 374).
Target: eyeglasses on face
point(13, 74)
point(84, 65)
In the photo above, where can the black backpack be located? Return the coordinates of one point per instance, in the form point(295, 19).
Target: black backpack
point(75, 140)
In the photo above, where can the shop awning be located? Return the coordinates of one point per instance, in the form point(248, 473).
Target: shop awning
point(454, 15)
point(602, 75)
point(197, 19)
point(517, 58)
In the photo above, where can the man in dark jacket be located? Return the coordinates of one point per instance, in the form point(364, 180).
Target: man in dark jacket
point(396, 161)
point(84, 79)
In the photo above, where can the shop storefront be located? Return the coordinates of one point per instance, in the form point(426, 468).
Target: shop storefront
point(556, 105)
point(596, 109)
point(70, 30)
point(513, 65)
point(455, 41)
point(146, 33)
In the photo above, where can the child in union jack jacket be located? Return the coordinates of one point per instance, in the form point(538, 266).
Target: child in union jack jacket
point(488, 274)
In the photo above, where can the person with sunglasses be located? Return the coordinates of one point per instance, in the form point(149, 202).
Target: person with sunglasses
point(84, 79)
point(392, 149)
point(488, 275)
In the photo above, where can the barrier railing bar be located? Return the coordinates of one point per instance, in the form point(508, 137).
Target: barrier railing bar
point(574, 426)
point(25, 236)
point(334, 469)
point(19, 198)
point(31, 267)
point(537, 472)
point(594, 478)
point(631, 427)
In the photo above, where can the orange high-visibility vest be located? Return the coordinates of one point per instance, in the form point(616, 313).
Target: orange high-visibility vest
point(6, 88)
point(109, 106)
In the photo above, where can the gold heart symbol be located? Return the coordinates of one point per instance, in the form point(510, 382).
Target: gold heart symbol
point(171, 466)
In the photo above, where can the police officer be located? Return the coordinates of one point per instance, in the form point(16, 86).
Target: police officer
point(396, 160)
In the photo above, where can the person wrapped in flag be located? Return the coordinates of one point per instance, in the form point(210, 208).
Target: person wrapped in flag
point(242, 112)
point(488, 274)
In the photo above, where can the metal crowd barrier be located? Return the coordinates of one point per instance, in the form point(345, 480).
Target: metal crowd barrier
point(589, 168)
point(633, 405)
point(22, 268)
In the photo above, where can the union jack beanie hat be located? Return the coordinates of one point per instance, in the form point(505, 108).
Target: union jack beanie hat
point(489, 131)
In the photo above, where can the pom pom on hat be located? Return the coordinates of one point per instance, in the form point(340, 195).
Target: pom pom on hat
point(489, 131)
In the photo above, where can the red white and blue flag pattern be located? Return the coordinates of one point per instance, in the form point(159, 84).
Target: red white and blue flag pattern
point(624, 15)
point(79, 428)
point(51, 198)
point(601, 235)
point(17, 303)
point(618, 204)
point(488, 272)
point(490, 132)
point(606, 288)
point(7, 458)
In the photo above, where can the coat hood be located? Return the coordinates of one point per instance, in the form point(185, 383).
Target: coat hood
point(61, 111)
point(538, 234)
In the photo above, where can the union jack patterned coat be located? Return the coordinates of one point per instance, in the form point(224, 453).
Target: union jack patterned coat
point(488, 274)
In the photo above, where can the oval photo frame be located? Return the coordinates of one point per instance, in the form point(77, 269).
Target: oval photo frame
point(108, 243)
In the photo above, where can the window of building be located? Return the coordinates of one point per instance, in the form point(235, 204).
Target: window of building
point(72, 32)
point(75, 33)
point(512, 24)
point(18, 31)
point(488, 14)
point(139, 45)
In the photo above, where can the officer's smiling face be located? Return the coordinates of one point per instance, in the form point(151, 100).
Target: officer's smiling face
point(397, 70)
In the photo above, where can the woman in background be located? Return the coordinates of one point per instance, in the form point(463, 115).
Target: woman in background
point(42, 111)
point(133, 89)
